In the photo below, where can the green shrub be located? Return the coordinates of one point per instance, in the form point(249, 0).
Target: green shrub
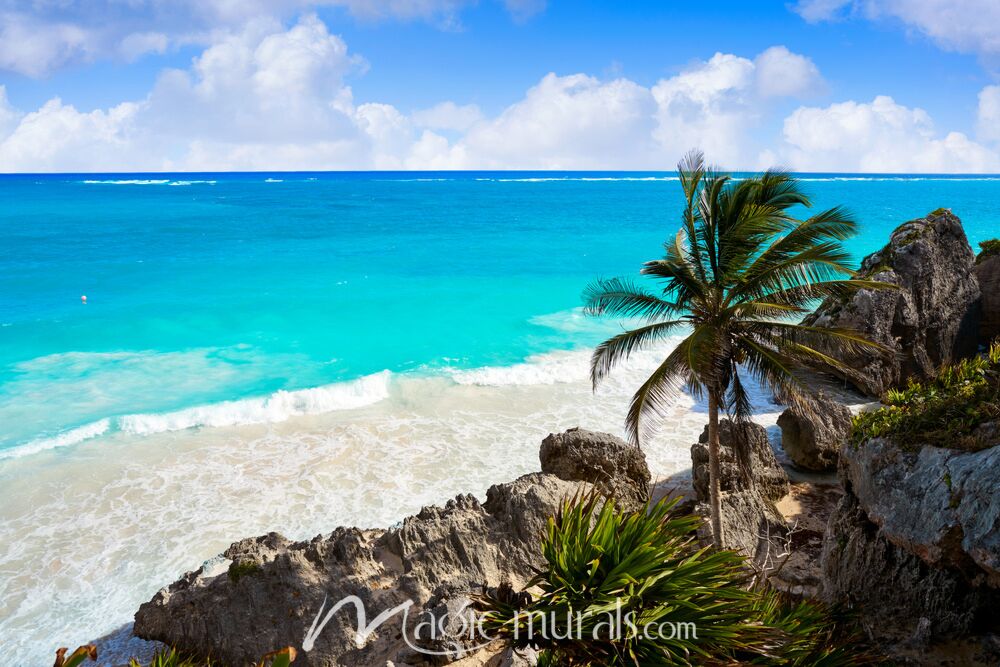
point(988, 249)
point(646, 565)
point(239, 569)
point(943, 412)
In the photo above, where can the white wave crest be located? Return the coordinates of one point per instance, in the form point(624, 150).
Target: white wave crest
point(550, 368)
point(130, 181)
point(66, 438)
point(277, 407)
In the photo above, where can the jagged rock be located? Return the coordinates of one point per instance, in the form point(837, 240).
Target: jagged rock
point(988, 274)
point(436, 559)
point(600, 458)
point(760, 470)
point(812, 432)
point(441, 554)
point(931, 319)
point(750, 484)
point(941, 505)
point(892, 588)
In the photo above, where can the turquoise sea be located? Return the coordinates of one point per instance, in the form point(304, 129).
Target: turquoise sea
point(296, 350)
point(204, 289)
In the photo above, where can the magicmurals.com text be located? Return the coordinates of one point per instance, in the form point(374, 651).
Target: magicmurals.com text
point(460, 631)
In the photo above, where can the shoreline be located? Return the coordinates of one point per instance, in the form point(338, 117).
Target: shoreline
point(137, 511)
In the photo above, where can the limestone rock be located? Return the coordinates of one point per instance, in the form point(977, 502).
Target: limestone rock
point(760, 470)
point(988, 274)
point(435, 560)
point(600, 458)
point(892, 588)
point(941, 505)
point(276, 587)
point(813, 432)
point(750, 484)
point(931, 319)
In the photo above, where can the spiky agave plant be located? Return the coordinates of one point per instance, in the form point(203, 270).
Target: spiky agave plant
point(631, 588)
point(739, 272)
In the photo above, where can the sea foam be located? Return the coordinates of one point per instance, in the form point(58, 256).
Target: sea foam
point(274, 408)
point(277, 407)
point(66, 438)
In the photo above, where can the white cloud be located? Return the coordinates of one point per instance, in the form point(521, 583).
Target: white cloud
point(970, 26)
point(270, 97)
point(57, 137)
point(988, 117)
point(39, 37)
point(781, 73)
point(567, 122)
point(448, 116)
point(880, 136)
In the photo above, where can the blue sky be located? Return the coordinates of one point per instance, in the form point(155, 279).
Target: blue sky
point(840, 85)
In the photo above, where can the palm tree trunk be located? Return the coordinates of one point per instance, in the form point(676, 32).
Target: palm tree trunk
point(713, 469)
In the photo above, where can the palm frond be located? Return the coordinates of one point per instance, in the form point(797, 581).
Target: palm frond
point(618, 348)
point(620, 297)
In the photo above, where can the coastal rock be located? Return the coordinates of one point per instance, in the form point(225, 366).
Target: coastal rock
point(812, 432)
point(275, 587)
point(988, 274)
point(931, 319)
point(432, 561)
point(750, 480)
point(602, 459)
point(914, 545)
point(941, 505)
point(759, 470)
point(892, 588)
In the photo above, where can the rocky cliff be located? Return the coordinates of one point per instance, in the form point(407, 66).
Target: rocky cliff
point(275, 587)
point(750, 485)
point(932, 318)
point(988, 274)
point(914, 545)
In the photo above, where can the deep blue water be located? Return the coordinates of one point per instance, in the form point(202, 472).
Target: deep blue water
point(204, 288)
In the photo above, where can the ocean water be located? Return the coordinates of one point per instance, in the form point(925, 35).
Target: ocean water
point(295, 351)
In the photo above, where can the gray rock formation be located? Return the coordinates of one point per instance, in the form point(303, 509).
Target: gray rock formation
point(892, 588)
point(275, 587)
point(915, 542)
point(941, 505)
point(813, 432)
point(932, 319)
point(749, 483)
point(600, 458)
point(988, 274)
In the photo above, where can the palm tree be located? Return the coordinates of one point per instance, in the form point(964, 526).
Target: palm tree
point(738, 275)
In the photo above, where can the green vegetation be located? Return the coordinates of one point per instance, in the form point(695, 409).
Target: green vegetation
point(988, 249)
point(943, 412)
point(645, 564)
point(240, 569)
point(737, 274)
point(171, 658)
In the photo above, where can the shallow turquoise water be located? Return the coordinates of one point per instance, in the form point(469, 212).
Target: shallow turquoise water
point(207, 289)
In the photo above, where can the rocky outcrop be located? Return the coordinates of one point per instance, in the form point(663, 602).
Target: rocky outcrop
point(931, 319)
point(274, 587)
point(608, 462)
point(939, 504)
point(892, 588)
point(813, 431)
point(988, 274)
point(916, 539)
point(750, 480)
